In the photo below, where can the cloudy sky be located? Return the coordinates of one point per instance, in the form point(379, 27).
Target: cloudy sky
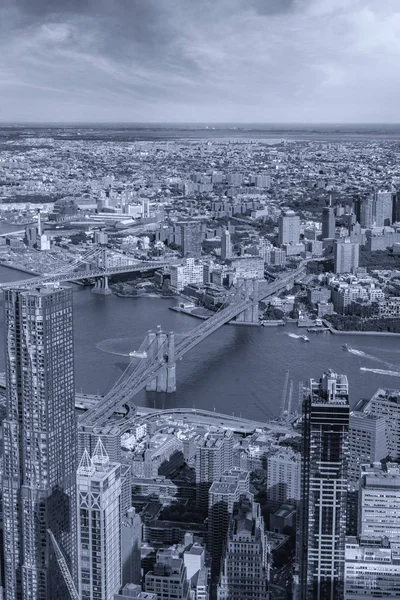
point(200, 60)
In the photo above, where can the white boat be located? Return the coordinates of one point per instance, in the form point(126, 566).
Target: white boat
point(305, 338)
point(138, 354)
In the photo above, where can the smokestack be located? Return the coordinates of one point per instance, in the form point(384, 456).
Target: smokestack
point(39, 224)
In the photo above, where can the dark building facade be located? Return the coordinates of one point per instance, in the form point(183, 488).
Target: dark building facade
point(39, 432)
point(324, 488)
point(328, 223)
point(192, 236)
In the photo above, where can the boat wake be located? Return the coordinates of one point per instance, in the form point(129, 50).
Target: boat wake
point(381, 372)
point(294, 335)
point(370, 357)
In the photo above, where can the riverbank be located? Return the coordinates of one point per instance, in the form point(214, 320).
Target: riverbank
point(374, 333)
point(142, 295)
point(19, 268)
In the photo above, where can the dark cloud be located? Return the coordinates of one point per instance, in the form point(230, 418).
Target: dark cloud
point(196, 59)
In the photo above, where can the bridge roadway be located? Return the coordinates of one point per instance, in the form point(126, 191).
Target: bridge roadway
point(211, 418)
point(71, 276)
point(145, 371)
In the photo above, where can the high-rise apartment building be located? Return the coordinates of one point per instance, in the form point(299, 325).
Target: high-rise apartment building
point(191, 271)
point(39, 432)
point(346, 255)
point(214, 456)
point(372, 569)
point(191, 235)
point(376, 210)
point(379, 501)
point(328, 222)
point(98, 525)
point(283, 477)
point(289, 228)
point(324, 488)
point(226, 245)
point(245, 566)
point(383, 208)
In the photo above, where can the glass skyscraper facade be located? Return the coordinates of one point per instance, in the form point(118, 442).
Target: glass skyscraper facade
point(324, 488)
point(39, 432)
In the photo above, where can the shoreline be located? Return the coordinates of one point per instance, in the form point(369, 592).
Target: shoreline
point(20, 269)
point(376, 333)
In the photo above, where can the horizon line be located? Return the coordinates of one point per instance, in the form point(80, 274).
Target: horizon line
point(202, 123)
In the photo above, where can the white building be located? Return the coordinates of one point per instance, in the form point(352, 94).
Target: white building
point(372, 569)
point(367, 443)
point(190, 271)
point(289, 228)
point(379, 501)
point(386, 403)
point(98, 526)
point(346, 255)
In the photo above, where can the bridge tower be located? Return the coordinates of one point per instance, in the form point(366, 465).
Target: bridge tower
point(162, 347)
point(101, 286)
point(250, 293)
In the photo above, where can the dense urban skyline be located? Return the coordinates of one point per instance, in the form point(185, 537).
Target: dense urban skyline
point(225, 61)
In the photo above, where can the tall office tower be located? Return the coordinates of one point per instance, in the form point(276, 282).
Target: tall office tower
point(98, 525)
point(39, 433)
point(383, 208)
point(396, 207)
point(386, 403)
point(214, 456)
point(346, 255)
point(223, 494)
point(131, 539)
point(283, 477)
point(191, 234)
point(289, 228)
point(324, 488)
point(168, 580)
point(379, 501)
point(245, 566)
point(328, 222)
point(226, 245)
point(367, 211)
point(372, 569)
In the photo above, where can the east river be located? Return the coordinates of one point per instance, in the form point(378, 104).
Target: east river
point(238, 369)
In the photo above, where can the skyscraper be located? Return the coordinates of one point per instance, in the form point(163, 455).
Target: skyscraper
point(289, 228)
point(99, 525)
point(328, 223)
point(226, 245)
point(245, 566)
point(346, 254)
point(324, 488)
point(39, 433)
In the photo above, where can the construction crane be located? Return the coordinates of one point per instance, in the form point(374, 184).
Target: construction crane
point(284, 395)
point(64, 568)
